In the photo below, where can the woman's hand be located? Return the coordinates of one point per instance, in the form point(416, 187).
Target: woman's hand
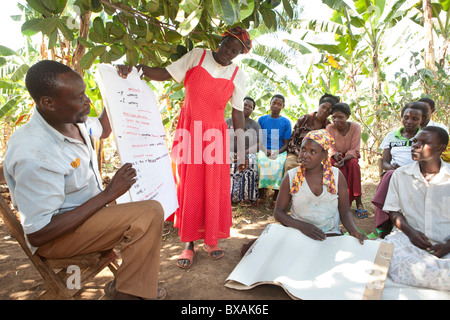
point(123, 70)
point(312, 231)
point(358, 235)
point(338, 156)
point(243, 167)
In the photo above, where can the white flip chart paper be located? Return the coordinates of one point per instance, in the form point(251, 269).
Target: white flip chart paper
point(140, 136)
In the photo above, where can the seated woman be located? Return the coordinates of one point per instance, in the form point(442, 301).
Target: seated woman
point(396, 153)
point(244, 184)
point(317, 192)
point(345, 152)
point(306, 123)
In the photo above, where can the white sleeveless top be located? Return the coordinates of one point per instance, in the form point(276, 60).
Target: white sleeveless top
point(321, 211)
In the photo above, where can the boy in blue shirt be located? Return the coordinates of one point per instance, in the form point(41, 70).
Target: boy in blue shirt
point(276, 134)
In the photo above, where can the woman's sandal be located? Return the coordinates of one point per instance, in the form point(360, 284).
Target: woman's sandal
point(361, 213)
point(186, 255)
point(211, 249)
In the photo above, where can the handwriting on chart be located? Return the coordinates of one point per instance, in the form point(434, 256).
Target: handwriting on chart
point(143, 192)
point(136, 120)
point(145, 152)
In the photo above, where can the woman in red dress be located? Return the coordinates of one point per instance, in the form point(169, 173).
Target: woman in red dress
point(200, 147)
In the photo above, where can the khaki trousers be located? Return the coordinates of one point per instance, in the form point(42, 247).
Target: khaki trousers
point(137, 227)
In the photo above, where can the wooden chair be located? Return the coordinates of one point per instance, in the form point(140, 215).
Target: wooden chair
point(54, 271)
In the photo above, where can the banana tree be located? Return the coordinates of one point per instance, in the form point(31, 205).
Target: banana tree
point(15, 105)
point(272, 66)
point(440, 13)
point(371, 19)
point(14, 102)
point(359, 27)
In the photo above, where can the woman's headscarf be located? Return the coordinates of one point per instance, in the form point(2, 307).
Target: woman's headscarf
point(240, 34)
point(323, 138)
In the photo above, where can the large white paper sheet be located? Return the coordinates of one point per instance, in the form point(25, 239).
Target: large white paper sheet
point(336, 268)
point(140, 136)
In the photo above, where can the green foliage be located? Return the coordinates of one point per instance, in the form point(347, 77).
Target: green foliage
point(149, 32)
point(357, 56)
point(354, 66)
point(14, 100)
point(152, 32)
point(424, 83)
point(157, 32)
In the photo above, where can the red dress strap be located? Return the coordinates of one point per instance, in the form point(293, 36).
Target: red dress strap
point(235, 72)
point(202, 58)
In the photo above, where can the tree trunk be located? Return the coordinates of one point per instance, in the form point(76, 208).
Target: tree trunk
point(376, 89)
point(443, 54)
point(376, 71)
point(80, 49)
point(428, 26)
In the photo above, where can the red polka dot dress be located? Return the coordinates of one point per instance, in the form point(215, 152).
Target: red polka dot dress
point(201, 150)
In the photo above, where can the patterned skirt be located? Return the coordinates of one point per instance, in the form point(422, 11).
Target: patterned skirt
point(244, 184)
point(271, 172)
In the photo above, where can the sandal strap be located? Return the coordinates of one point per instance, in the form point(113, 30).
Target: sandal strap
point(210, 249)
point(186, 254)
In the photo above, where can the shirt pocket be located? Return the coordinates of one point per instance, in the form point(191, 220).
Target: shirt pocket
point(73, 181)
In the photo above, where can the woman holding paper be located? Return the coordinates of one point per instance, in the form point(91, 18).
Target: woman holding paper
point(318, 192)
point(200, 147)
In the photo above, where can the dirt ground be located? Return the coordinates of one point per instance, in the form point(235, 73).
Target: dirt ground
point(19, 280)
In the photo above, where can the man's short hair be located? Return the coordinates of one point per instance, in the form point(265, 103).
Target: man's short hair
point(41, 78)
point(254, 103)
point(430, 102)
point(442, 134)
point(279, 96)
